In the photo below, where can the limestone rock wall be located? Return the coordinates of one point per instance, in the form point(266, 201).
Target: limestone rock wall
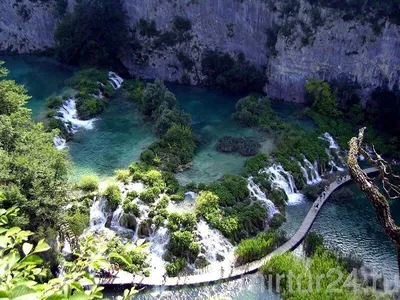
point(335, 48)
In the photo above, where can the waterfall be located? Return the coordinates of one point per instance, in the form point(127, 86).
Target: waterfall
point(332, 163)
point(98, 216)
point(159, 241)
point(332, 144)
point(59, 142)
point(333, 149)
point(284, 180)
point(215, 245)
point(191, 195)
point(310, 171)
point(115, 80)
point(116, 225)
point(256, 192)
point(68, 114)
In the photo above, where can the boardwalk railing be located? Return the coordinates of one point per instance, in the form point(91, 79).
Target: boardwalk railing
point(215, 273)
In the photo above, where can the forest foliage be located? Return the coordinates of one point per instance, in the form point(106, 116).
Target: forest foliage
point(92, 34)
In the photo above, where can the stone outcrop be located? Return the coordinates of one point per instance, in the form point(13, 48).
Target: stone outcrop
point(330, 50)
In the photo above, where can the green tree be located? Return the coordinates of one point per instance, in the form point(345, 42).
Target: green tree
point(93, 33)
point(24, 277)
point(33, 174)
point(324, 100)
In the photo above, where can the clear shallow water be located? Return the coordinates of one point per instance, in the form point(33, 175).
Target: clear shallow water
point(211, 119)
point(117, 139)
point(119, 136)
point(41, 77)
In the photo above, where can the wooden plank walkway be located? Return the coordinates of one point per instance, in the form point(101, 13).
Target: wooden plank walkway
point(216, 274)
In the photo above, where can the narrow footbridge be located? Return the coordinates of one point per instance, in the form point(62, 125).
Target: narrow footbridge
point(219, 273)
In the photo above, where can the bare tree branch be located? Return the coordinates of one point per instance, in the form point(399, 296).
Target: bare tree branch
point(371, 190)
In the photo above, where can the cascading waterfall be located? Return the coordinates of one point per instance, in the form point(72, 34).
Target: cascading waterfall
point(159, 241)
point(116, 225)
point(310, 171)
point(256, 192)
point(284, 180)
point(115, 80)
point(69, 115)
point(98, 216)
point(59, 143)
point(333, 149)
point(216, 246)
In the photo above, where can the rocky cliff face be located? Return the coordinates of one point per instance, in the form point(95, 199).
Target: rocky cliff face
point(305, 41)
point(26, 26)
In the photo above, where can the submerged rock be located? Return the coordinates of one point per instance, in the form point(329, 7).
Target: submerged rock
point(246, 146)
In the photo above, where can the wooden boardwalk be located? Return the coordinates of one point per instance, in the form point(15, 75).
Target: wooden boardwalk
point(216, 274)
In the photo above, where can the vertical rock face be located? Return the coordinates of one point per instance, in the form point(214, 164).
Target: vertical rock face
point(227, 25)
point(346, 50)
point(26, 26)
point(335, 48)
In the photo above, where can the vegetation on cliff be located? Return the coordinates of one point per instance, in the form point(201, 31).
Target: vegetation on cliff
point(92, 34)
point(236, 75)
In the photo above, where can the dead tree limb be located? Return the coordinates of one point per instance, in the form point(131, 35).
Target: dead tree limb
point(371, 190)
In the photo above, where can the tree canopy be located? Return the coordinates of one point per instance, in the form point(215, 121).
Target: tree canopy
point(33, 174)
point(93, 33)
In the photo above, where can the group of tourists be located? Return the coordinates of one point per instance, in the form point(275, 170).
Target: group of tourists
point(109, 273)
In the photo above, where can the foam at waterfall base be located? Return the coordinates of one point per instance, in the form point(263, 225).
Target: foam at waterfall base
point(69, 115)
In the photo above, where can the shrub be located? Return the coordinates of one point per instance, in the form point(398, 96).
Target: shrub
point(132, 195)
point(252, 111)
point(135, 89)
point(89, 183)
point(150, 194)
point(254, 164)
point(130, 207)
point(182, 244)
point(122, 175)
point(185, 60)
point(185, 221)
point(277, 221)
point(312, 242)
point(147, 28)
point(78, 222)
point(255, 248)
point(320, 263)
point(88, 106)
point(178, 197)
point(54, 102)
point(147, 157)
point(230, 190)
point(113, 195)
point(175, 267)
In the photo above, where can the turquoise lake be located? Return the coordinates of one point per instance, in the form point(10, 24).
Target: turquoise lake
point(120, 135)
